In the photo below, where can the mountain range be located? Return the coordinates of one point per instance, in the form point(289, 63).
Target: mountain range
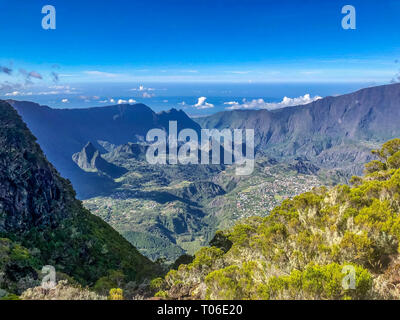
point(334, 132)
point(64, 132)
point(168, 210)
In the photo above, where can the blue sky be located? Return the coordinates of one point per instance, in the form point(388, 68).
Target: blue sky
point(197, 41)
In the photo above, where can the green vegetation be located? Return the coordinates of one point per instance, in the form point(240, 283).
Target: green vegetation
point(304, 247)
point(116, 294)
point(167, 211)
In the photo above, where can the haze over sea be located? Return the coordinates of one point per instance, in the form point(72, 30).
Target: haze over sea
point(196, 99)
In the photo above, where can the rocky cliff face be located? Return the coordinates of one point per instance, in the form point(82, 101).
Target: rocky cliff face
point(31, 191)
point(89, 159)
point(38, 210)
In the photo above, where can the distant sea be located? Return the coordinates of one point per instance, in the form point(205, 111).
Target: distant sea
point(185, 96)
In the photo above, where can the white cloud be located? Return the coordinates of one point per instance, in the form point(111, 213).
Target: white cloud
point(47, 93)
point(18, 93)
point(130, 101)
point(142, 88)
point(147, 95)
point(144, 92)
point(64, 101)
point(60, 90)
point(261, 104)
point(13, 94)
point(202, 104)
point(97, 73)
point(232, 103)
point(239, 72)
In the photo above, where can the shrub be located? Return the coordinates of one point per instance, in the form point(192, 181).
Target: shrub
point(116, 294)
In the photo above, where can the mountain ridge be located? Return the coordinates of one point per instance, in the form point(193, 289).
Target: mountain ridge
point(370, 114)
point(64, 132)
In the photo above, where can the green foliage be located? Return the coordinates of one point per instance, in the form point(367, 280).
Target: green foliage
point(183, 259)
point(388, 149)
point(205, 257)
point(17, 267)
point(10, 296)
point(221, 241)
point(161, 294)
point(393, 162)
point(116, 294)
point(374, 166)
point(157, 284)
point(115, 278)
point(300, 249)
point(317, 282)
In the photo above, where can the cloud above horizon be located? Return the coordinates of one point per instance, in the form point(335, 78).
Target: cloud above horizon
point(130, 101)
point(202, 104)
point(261, 104)
point(100, 74)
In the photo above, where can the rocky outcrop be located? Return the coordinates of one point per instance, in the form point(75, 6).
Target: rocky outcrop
point(304, 167)
point(89, 159)
point(129, 150)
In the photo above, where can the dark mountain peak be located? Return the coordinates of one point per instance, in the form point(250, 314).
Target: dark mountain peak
point(182, 119)
point(90, 150)
point(173, 114)
point(89, 159)
point(172, 111)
